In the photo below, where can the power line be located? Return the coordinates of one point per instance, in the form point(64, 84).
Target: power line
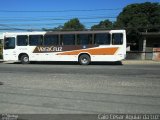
point(62, 18)
point(139, 27)
point(40, 24)
point(52, 16)
point(71, 10)
point(10, 27)
point(50, 19)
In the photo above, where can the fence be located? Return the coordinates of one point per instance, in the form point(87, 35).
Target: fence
point(138, 55)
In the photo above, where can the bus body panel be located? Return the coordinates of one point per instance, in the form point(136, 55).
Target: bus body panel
point(97, 53)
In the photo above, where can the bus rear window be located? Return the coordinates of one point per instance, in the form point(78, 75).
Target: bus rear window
point(68, 39)
point(117, 38)
point(84, 39)
point(22, 40)
point(51, 40)
point(102, 39)
point(35, 40)
point(9, 43)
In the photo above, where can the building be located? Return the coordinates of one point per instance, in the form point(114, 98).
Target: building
point(149, 47)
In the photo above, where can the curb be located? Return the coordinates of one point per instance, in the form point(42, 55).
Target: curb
point(143, 62)
point(125, 62)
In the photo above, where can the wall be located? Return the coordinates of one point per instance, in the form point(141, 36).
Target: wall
point(156, 54)
point(135, 55)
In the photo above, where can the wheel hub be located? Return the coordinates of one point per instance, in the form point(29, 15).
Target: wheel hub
point(84, 60)
point(25, 59)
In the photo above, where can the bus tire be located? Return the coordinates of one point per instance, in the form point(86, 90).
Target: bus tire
point(25, 59)
point(84, 59)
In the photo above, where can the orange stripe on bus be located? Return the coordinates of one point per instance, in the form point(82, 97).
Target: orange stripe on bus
point(96, 51)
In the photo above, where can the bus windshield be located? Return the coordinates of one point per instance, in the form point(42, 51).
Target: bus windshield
point(9, 43)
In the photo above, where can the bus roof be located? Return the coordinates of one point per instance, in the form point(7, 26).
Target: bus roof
point(61, 32)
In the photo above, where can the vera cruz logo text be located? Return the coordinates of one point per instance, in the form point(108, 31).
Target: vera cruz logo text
point(47, 49)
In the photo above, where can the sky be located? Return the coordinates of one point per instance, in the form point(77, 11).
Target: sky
point(37, 14)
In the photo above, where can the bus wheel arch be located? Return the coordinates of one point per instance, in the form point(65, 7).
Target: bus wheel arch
point(84, 58)
point(24, 58)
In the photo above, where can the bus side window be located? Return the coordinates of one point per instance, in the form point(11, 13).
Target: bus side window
point(9, 43)
point(35, 40)
point(102, 39)
point(22, 40)
point(84, 39)
point(68, 39)
point(117, 38)
point(51, 40)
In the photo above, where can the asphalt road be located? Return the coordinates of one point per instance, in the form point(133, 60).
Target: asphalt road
point(70, 88)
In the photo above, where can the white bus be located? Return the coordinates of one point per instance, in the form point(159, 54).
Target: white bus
point(81, 46)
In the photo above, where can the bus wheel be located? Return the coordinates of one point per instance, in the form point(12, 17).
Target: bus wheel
point(25, 59)
point(84, 59)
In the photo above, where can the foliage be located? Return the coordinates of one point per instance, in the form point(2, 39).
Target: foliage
point(73, 24)
point(60, 27)
point(136, 18)
point(140, 16)
point(106, 24)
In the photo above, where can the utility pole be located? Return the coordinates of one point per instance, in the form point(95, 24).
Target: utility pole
point(144, 44)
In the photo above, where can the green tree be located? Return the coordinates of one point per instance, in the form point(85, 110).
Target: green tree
point(106, 24)
point(59, 28)
point(73, 24)
point(136, 18)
